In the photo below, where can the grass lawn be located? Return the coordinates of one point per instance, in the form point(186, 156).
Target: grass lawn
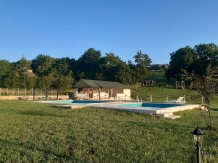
point(33, 132)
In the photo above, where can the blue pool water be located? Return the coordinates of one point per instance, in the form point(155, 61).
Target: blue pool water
point(60, 101)
point(84, 102)
point(89, 101)
point(154, 105)
point(131, 105)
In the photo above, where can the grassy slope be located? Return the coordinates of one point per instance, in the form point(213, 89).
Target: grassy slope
point(32, 132)
point(159, 95)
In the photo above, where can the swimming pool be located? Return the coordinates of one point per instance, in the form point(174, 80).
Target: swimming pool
point(131, 105)
point(90, 101)
point(161, 109)
point(76, 102)
point(155, 105)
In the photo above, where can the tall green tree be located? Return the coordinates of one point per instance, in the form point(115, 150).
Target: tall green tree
point(21, 67)
point(42, 65)
point(62, 82)
point(140, 69)
point(11, 80)
point(114, 69)
point(194, 59)
point(4, 70)
point(44, 82)
point(30, 82)
point(182, 59)
point(23, 64)
point(62, 66)
point(142, 60)
point(88, 63)
point(124, 74)
point(110, 66)
point(206, 85)
point(205, 54)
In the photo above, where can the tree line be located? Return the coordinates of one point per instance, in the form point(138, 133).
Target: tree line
point(192, 60)
point(62, 73)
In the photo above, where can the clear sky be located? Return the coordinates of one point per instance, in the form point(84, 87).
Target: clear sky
point(67, 28)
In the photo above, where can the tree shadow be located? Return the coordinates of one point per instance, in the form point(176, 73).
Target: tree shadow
point(40, 113)
point(46, 152)
point(214, 109)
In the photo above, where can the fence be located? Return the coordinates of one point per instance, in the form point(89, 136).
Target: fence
point(24, 92)
point(155, 98)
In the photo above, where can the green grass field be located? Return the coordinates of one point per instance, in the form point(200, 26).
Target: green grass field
point(36, 132)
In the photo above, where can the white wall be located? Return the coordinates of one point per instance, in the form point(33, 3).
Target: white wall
point(124, 94)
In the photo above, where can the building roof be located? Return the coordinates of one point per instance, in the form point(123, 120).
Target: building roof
point(84, 83)
point(30, 73)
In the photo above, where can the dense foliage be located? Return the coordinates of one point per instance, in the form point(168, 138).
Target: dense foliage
point(61, 73)
point(192, 60)
point(198, 66)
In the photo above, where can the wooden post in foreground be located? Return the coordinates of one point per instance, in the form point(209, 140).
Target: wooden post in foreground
point(202, 99)
point(167, 98)
point(150, 98)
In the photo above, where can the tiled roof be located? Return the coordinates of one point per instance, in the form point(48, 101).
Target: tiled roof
point(84, 83)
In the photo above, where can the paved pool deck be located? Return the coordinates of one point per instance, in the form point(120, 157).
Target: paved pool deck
point(162, 112)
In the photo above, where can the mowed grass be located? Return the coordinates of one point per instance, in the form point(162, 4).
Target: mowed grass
point(36, 132)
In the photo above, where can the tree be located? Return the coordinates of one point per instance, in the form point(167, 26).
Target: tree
point(142, 60)
point(124, 75)
point(182, 59)
point(207, 88)
point(114, 69)
point(11, 80)
point(110, 66)
point(204, 76)
point(4, 70)
point(44, 82)
point(61, 75)
point(30, 82)
point(42, 65)
point(206, 55)
point(88, 63)
point(21, 66)
point(62, 82)
point(62, 66)
point(140, 69)
point(196, 59)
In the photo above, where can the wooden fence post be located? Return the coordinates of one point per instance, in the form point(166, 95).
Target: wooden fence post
point(150, 98)
point(202, 99)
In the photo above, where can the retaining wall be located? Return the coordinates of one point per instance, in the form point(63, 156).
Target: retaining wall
point(62, 97)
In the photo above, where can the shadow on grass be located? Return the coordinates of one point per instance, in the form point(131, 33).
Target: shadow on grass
point(46, 152)
point(214, 109)
point(39, 113)
point(30, 112)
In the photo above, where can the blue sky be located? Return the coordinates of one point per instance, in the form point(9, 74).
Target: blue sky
point(67, 28)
